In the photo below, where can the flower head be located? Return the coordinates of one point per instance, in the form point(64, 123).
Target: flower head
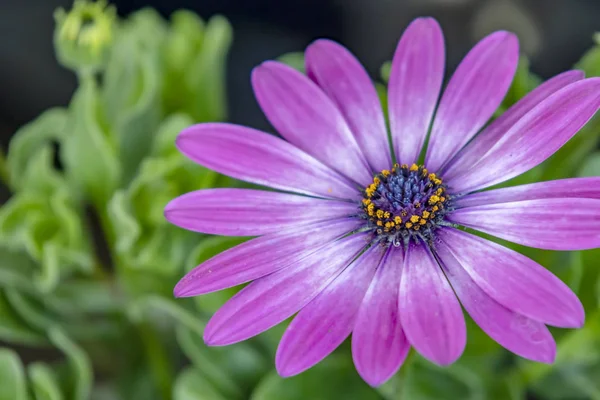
point(361, 241)
point(84, 35)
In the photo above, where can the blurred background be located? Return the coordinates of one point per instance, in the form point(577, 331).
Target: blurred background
point(87, 262)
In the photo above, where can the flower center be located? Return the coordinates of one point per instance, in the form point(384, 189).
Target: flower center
point(404, 203)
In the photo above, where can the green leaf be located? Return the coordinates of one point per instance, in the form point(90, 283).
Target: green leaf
point(206, 74)
point(164, 143)
point(426, 381)
point(234, 371)
point(131, 99)
point(294, 60)
point(13, 329)
point(191, 385)
point(90, 157)
point(80, 375)
point(182, 43)
point(12, 377)
point(50, 230)
point(25, 147)
point(44, 382)
point(590, 62)
point(333, 378)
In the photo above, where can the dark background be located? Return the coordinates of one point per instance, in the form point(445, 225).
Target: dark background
point(553, 33)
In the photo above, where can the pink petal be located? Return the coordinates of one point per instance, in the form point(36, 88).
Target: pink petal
point(326, 321)
point(345, 81)
point(469, 156)
point(379, 345)
point(515, 281)
point(246, 212)
point(258, 157)
point(261, 256)
point(269, 300)
point(429, 311)
point(547, 223)
point(521, 335)
point(473, 94)
point(563, 188)
point(308, 119)
point(535, 137)
point(414, 86)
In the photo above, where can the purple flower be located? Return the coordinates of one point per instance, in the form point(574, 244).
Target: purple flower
point(356, 244)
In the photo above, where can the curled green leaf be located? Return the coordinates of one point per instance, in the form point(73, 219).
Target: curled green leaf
point(12, 376)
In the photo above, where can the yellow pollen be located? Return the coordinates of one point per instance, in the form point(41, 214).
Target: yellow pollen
point(434, 209)
point(417, 205)
point(414, 219)
point(425, 214)
point(414, 167)
point(404, 166)
point(416, 228)
point(408, 225)
point(439, 191)
point(432, 176)
point(397, 220)
point(379, 213)
point(379, 223)
point(389, 224)
point(376, 181)
point(385, 172)
point(425, 171)
point(386, 214)
point(366, 202)
point(434, 199)
point(422, 221)
point(437, 181)
point(442, 199)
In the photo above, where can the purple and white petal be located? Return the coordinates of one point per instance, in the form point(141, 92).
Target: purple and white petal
point(586, 188)
point(429, 311)
point(342, 77)
point(469, 156)
point(521, 335)
point(261, 256)
point(535, 137)
point(327, 320)
point(269, 300)
point(247, 212)
point(414, 86)
point(472, 96)
point(257, 157)
point(515, 281)
point(379, 345)
point(303, 114)
point(547, 223)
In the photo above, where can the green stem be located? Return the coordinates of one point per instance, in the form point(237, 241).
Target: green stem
point(158, 359)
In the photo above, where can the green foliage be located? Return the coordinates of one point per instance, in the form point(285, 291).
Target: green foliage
point(88, 261)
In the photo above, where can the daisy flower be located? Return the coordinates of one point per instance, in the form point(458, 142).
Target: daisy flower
point(360, 238)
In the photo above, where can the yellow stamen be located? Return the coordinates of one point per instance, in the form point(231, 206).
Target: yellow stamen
point(425, 214)
point(397, 220)
point(385, 172)
point(408, 225)
point(386, 214)
point(422, 221)
point(414, 219)
point(414, 167)
point(434, 199)
point(379, 223)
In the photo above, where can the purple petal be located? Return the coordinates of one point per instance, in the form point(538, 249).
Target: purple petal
point(261, 256)
point(553, 224)
point(269, 300)
point(326, 321)
point(345, 81)
point(521, 335)
point(535, 137)
point(473, 94)
point(467, 158)
point(246, 212)
point(258, 157)
point(307, 118)
point(414, 87)
point(429, 311)
point(515, 281)
point(588, 188)
point(379, 345)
